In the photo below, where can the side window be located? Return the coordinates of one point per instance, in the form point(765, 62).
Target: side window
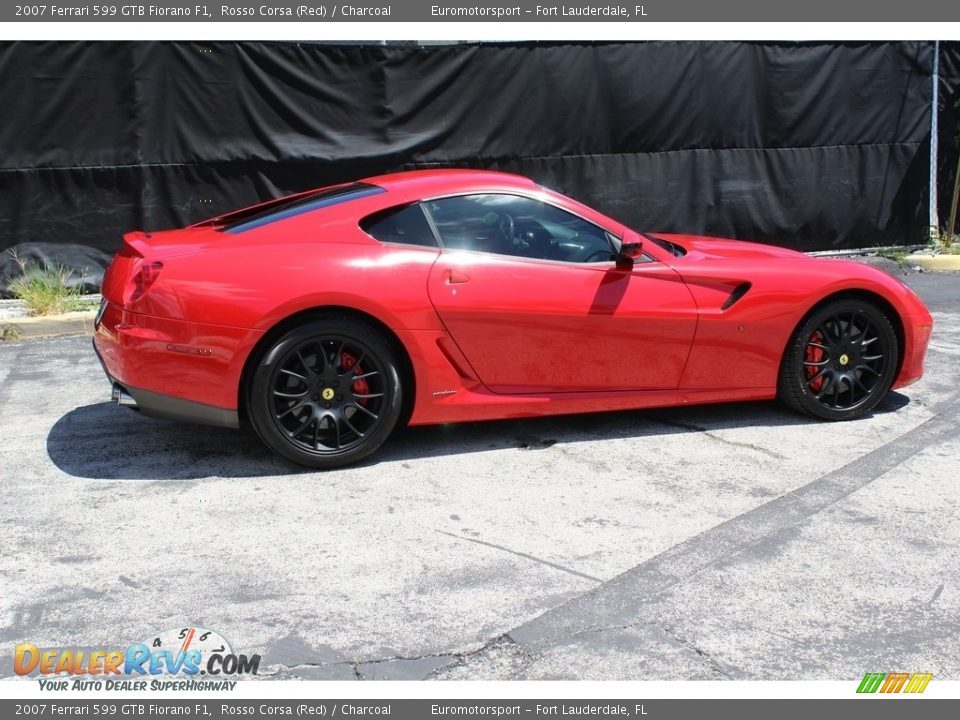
point(513, 225)
point(406, 225)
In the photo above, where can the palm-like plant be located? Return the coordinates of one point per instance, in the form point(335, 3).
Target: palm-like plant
point(951, 225)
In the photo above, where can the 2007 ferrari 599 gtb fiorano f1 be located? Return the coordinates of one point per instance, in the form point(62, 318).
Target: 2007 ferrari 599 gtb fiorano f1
point(330, 317)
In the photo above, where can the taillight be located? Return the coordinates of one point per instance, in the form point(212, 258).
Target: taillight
point(145, 277)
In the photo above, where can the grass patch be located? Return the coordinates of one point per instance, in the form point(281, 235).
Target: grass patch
point(951, 249)
point(898, 256)
point(45, 288)
point(9, 333)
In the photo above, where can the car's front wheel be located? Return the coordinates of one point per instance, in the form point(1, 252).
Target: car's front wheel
point(840, 362)
point(327, 393)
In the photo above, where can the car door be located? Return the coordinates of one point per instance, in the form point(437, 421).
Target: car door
point(533, 299)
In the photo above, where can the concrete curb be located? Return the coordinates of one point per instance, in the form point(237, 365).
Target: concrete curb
point(73, 323)
point(935, 263)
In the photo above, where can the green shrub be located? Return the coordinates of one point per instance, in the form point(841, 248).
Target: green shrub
point(45, 288)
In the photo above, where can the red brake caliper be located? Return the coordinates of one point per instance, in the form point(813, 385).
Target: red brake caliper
point(360, 387)
point(814, 354)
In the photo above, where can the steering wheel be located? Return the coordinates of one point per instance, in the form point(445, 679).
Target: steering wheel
point(599, 256)
point(507, 227)
point(587, 254)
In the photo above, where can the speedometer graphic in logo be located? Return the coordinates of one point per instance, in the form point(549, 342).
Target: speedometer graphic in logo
point(193, 650)
point(187, 639)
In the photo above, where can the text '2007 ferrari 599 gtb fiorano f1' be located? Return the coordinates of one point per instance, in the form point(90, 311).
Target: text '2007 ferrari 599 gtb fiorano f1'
point(329, 317)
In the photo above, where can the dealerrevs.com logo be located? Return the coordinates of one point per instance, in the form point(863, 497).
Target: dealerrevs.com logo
point(190, 658)
point(886, 683)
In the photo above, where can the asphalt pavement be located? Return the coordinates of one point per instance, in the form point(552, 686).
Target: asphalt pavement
point(735, 541)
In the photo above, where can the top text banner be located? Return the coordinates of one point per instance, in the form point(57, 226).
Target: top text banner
point(515, 11)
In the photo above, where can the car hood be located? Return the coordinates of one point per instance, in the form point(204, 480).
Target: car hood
point(709, 247)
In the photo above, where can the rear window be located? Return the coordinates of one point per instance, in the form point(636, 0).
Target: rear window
point(406, 225)
point(297, 206)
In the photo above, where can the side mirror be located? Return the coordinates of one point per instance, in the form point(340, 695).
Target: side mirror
point(630, 249)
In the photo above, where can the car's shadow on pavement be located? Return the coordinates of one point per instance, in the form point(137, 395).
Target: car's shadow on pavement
point(101, 442)
point(105, 442)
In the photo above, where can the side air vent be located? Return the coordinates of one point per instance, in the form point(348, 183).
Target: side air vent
point(738, 292)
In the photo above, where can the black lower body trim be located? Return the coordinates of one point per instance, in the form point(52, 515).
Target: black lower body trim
point(166, 407)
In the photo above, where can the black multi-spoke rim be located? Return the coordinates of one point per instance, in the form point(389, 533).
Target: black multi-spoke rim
point(844, 361)
point(328, 394)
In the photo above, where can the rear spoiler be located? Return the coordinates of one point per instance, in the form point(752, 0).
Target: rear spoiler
point(136, 240)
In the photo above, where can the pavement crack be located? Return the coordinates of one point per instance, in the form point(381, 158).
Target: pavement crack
point(452, 660)
point(702, 654)
point(357, 665)
point(406, 658)
point(501, 658)
point(691, 427)
point(461, 659)
point(524, 555)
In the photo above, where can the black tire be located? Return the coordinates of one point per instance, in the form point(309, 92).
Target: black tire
point(840, 362)
point(327, 393)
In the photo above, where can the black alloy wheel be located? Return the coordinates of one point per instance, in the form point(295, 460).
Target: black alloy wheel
point(327, 394)
point(840, 362)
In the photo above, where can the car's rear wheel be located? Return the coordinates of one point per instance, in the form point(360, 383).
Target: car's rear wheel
point(327, 393)
point(840, 362)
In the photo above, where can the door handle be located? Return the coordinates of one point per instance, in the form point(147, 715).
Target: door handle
point(455, 277)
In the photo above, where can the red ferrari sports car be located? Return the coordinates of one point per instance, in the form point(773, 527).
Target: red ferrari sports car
point(328, 318)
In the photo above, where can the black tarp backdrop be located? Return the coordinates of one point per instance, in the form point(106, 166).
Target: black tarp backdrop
point(811, 145)
point(948, 127)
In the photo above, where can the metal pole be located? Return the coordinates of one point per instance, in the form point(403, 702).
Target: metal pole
point(934, 140)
